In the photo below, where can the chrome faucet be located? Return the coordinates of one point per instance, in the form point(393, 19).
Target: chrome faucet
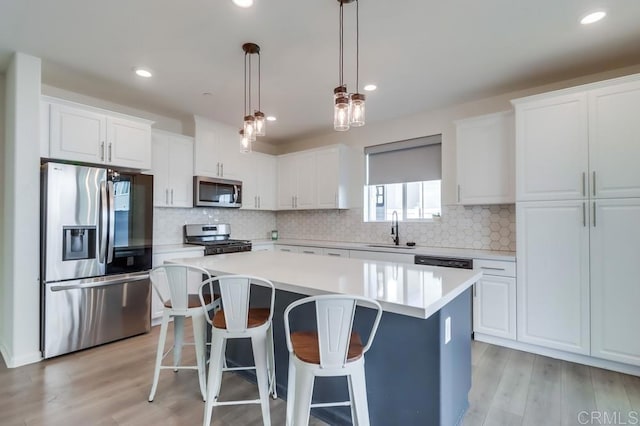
point(395, 236)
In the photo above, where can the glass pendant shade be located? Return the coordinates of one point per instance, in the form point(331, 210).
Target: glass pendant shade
point(245, 144)
point(260, 123)
point(341, 109)
point(250, 128)
point(357, 109)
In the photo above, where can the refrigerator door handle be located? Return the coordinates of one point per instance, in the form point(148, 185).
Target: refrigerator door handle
point(103, 221)
point(101, 283)
point(112, 220)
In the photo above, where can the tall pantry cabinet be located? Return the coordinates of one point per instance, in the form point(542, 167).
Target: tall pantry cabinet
point(578, 219)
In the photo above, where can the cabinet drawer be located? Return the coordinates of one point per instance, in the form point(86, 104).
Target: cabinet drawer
point(495, 267)
point(335, 252)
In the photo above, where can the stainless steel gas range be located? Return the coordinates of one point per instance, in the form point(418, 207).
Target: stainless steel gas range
point(214, 238)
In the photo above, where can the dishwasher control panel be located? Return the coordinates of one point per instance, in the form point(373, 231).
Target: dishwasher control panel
point(447, 262)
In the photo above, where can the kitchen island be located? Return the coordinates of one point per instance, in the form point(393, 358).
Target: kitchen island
point(413, 376)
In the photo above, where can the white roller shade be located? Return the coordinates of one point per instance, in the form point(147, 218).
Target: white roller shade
point(412, 160)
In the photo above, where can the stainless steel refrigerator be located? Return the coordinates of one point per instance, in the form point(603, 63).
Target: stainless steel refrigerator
point(96, 240)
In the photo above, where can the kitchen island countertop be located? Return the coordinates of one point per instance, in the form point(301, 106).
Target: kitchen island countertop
point(406, 289)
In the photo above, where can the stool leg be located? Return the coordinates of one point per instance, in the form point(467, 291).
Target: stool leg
point(259, 345)
point(304, 391)
point(161, 342)
point(272, 365)
point(358, 394)
point(198, 323)
point(291, 390)
point(215, 376)
point(178, 339)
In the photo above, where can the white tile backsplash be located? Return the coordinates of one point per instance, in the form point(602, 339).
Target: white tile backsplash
point(168, 222)
point(475, 227)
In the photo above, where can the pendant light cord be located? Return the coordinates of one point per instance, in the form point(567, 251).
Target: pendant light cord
point(341, 50)
point(245, 84)
point(259, 78)
point(357, 46)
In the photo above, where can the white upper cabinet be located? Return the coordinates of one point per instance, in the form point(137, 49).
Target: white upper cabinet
point(217, 150)
point(615, 279)
point(259, 182)
point(579, 143)
point(172, 162)
point(90, 135)
point(315, 179)
point(614, 141)
point(485, 159)
point(551, 148)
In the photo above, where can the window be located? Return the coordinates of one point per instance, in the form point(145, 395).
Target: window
point(405, 177)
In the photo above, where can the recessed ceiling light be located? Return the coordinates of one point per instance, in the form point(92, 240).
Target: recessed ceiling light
point(271, 118)
point(143, 72)
point(370, 87)
point(593, 17)
point(243, 3)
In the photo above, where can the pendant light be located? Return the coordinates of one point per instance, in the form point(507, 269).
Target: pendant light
point(245, 145)
point(348, 109)
point(253, 124)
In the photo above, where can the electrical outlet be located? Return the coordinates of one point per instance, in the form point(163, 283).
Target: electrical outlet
point(447, 330)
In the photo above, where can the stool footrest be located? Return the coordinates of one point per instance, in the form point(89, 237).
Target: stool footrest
point(243, 402)
point(331, 404)
point(238, 368)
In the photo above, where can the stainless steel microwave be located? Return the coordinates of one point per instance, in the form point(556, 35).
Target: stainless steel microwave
point(216, 192)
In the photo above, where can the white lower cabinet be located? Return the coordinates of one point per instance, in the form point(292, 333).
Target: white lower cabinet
point(335, 252)
point(615, 280)
point(195, 279)
point(553, 275)
point(287, 248)
point(269, 246)
point(494, 299)
point(381, 255)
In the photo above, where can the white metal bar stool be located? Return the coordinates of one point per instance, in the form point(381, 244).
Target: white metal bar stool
point(171, 283)
point(333, 350)
point(238, 320)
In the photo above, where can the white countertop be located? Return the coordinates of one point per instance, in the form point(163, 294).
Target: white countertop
point(406, 289)
point(508, 256)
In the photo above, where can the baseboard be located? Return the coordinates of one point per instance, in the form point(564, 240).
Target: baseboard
point(12, 362)
point(554, 353)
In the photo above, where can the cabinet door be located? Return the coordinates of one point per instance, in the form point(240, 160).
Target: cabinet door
point(486, 159)
point(206, 161)
point(310, 250)
point(266, 166)
point(180, 162)
point(306, 179)
point(494, 305)
point(553, 275)
point(615, 280)
point(287, 175)
point(288, 249)
point(614, 141)
point(77, 134)
point(160, 169)
point(128, 143)
point(552, 148)
point(335, 252)
point(328, 172)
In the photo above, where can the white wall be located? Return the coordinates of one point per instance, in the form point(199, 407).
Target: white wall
point(21, 217)
point(4, 312)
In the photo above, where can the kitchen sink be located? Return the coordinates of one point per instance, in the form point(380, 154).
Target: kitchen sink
point(390, 246)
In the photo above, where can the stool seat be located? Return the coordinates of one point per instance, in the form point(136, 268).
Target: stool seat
point(255, 318)
point(306, 346)
point(193, 300)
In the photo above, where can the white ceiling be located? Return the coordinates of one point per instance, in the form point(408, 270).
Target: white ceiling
point(422, 54)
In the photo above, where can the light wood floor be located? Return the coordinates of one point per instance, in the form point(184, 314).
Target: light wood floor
point(109, 385)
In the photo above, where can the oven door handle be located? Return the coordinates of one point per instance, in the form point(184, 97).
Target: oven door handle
point(100, 283)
